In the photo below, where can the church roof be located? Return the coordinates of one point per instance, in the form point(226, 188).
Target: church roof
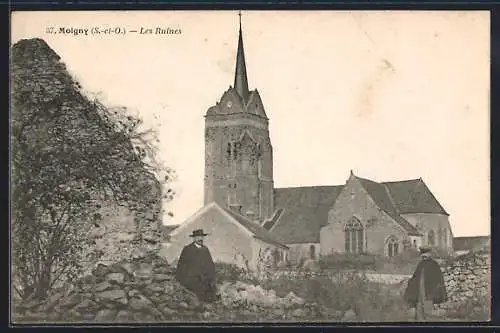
point(238, 98)
point(379, 193)
point(240, 73)
point(258, 231)
point(413, 196)
point(305, 209)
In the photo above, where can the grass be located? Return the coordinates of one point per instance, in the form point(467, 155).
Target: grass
point(476, 308)
point(350, 290)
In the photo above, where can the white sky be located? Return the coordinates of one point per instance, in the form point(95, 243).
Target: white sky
point(391, 95)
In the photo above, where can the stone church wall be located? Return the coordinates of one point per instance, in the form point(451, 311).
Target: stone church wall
point(377, 225)
point(298, 253)
point(438, 224)
point(227, 180)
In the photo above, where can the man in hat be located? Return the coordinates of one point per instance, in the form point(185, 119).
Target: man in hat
point(196, 269)
point(426, 286)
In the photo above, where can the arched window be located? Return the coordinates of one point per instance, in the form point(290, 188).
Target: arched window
point(353, 236)
point(445, 235)
point(430, 238)
point(415, 243)
point(392, 246)
point(312, 252)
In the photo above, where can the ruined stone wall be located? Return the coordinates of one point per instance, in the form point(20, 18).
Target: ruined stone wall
point(122, 235)
point(467, 280)
point(145, 290)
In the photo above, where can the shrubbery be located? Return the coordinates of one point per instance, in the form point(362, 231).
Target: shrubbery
point(475, 308)
point(348, 261)
point(344, 292)
point(404, 263)
point(347, 291)
point(229, 272)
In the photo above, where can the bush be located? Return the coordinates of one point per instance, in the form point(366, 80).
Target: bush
point(228, 272)
point(403, 263)
point(231, 273)
point(476, 308)
point(343, 291)
point(340, 261)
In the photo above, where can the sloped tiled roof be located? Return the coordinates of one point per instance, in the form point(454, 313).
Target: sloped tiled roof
point(470, 243)
point(255, 105)
point(413, 196)
point(305, 211)
point(378, 192)
point(257, 230)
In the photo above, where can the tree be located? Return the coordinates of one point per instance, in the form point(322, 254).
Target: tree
point(69, 152)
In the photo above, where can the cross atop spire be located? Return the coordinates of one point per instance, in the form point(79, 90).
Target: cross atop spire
point(240, 73)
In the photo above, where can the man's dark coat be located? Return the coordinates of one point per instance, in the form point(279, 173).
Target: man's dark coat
point(433, 281)
point(196, 271)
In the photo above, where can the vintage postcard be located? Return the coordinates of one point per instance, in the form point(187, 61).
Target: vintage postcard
point(250, 166)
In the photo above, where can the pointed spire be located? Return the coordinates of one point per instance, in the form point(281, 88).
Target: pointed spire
point(240, 74)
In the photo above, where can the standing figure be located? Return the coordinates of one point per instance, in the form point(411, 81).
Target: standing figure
point(426, 286)
point(196, 269)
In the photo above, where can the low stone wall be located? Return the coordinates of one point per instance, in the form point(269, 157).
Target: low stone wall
point(467, 280)
point(374, 277)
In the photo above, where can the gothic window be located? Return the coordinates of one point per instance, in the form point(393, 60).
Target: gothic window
point(229, 152)
point(392, 246)
point(312, 252)
point(236, 150)
point(430, 238)
point(440, 236)
point(445, 235)
point(353, 236)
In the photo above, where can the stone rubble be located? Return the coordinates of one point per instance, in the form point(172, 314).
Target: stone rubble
point(145, 290)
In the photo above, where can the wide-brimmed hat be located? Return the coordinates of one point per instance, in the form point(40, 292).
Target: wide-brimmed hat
point(198, 232)
point(425, 249)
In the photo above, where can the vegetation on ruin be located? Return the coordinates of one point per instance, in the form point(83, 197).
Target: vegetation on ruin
point(68, 153)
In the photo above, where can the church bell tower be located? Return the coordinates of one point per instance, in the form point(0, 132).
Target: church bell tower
point(238, 150)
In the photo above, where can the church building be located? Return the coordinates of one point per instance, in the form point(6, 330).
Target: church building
point(251, 222)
